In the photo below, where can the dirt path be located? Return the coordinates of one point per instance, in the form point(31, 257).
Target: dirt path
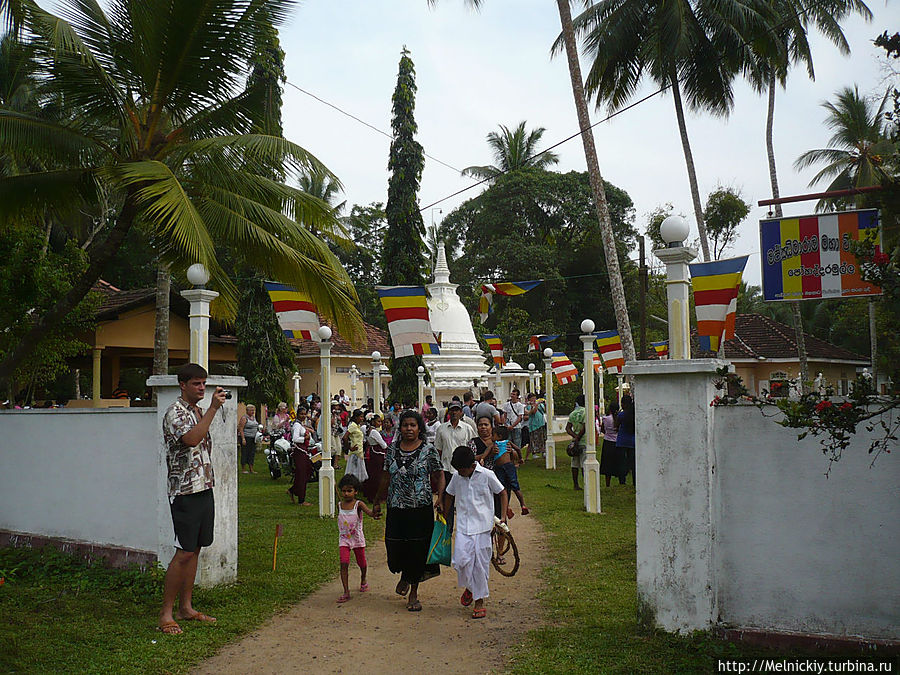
point(374, 633)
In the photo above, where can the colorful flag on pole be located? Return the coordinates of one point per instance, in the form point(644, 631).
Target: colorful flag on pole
point(661, 348)
point(295, 311)
point(716, 286)
point(610, 347)
point(563, 368)
point(406, 311)
point(598, 364)
point(496, 347)
point(535, 341)
point(486, 303)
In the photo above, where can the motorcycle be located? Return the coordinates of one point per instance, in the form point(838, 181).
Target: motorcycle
point(278, 458)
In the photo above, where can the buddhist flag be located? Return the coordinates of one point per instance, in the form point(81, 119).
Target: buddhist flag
point(661, 348)
point(406, 312)
point(535, 341)
point(716, 286)
point(486, 303)
point(563, 368)
point(610, 347)
point(496, 347)
point(296, 313)
point(598, 365)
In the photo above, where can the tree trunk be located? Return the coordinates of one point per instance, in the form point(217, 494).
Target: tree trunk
point(796, 317)
point(100, 254)
point(161, 330)
point(689, 160)
point(617, 288)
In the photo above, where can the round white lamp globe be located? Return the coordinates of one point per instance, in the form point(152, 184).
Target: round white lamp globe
point(420, 369)
point(324, 333)
point(376, 355)
point(548, 353)
point(530, 366)
point(587, 326)
point(674, 230)
point(197, 274)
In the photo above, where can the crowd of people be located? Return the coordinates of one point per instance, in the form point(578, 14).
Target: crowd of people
point(460, 459)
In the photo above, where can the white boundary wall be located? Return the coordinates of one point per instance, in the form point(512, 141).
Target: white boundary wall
point(98, 476)
point(737, 526)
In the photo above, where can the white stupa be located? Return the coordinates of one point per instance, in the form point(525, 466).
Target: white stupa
point(461, 364)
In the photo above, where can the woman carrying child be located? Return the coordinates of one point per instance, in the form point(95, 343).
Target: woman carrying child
point(376, 447)
point(351, 537)
point(301, 437)
point(356, 458)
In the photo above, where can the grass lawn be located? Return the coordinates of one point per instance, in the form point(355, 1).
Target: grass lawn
point(62, 616)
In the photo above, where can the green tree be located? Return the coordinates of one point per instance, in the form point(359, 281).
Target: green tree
point(857, 149)
point(725, 210)
point(403, 262)
point(607, 236)
point(161, 121)
point(366, 227)
point(693, 48)
point(264, 356)
point(535, 224)
point(513, 150)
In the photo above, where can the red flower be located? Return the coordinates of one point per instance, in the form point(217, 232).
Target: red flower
point(821, 405)
point(847, 406)
point(881, 258)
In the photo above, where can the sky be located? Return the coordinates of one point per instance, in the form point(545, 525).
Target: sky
point(477, 70)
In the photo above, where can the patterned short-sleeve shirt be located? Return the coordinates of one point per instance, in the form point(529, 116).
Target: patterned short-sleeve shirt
point(190, 468)
point(410, 485)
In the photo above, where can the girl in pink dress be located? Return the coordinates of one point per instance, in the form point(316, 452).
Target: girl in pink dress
point(350, 526)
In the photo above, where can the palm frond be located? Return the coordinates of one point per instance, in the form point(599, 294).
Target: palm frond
point(61, 143)
point(59, 192)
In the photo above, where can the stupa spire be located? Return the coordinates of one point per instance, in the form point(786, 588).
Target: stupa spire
point(441, 271)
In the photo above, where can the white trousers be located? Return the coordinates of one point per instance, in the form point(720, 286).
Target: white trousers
point(472, 561)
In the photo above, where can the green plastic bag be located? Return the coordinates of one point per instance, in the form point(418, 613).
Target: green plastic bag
point(439, 551)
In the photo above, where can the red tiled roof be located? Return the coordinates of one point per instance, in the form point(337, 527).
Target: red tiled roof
point(758, 336)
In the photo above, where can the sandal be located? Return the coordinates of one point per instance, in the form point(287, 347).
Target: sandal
point(402, 588)
point(170, 628)
point(344, 598)
point(414, 606)
point(479, 613)
point(525, 511)
point(363, 588)
point(199, 616)
point(466, 598)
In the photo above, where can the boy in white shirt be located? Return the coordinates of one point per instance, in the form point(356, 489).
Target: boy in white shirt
point(473, 488)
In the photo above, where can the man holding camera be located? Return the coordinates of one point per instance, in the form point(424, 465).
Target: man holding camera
point(190, 483)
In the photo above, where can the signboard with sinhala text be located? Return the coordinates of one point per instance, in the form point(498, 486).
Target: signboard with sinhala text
point(810, 257)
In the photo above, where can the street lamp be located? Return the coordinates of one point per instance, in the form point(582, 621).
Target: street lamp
point(296, 378)
point(590, 465)
point(550, 455)
point(531, 375)
point(326, 472)
point(674, 230)
point(354, 378)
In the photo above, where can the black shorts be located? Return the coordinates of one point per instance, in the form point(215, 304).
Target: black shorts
point(193, 517)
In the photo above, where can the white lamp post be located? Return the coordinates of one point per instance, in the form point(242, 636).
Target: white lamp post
point(531, 375)
point(420, 391)
point(326, 472)
point(376, 380)
point(199, 297)
point(591, 466)
point(296, 378)
point(674, 230)
point(550, 455)
point(354, 379)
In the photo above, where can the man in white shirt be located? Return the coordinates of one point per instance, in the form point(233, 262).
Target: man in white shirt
point(472, 490)
point(515, 417)
point(450, 435)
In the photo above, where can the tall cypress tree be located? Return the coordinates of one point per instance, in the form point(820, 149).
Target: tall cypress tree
point(264, 355)
point(403, 261)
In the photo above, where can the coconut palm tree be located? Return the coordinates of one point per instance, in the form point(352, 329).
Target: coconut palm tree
point(857, 150)
point(783, 45)
point(617, 288)
point(160, 119)
point(513, 150)
point(692, 47)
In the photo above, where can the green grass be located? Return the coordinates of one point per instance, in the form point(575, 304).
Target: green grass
point(590, 597)
point(59, 615)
